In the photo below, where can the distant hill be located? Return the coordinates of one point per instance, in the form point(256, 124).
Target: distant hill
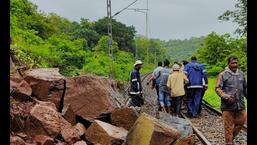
point(183, 49)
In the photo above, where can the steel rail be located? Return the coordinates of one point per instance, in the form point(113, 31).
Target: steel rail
point(210, 107)
point(198, 133)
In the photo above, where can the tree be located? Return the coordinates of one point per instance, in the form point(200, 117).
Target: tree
point(239, 16)
point(102, 46)
point(121, 33)
point(85, 30)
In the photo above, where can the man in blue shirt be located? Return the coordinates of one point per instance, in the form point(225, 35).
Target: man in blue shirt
point(164, 91)
point(196, 75)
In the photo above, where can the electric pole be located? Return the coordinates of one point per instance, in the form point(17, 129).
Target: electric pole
point(109, 16)
point(147, 31)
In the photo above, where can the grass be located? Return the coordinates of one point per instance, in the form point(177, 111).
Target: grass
point(210, 95)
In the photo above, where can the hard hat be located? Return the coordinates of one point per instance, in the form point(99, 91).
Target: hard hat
point(138, 62)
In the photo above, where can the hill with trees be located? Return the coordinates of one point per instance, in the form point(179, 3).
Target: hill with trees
point(77, 48)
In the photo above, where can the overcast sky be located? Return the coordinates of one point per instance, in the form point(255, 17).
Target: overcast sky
point(168, 19)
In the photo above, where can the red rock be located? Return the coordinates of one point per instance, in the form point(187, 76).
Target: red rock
point(124, 117)
point(70, 134)
point(69, 114)
point(19, 89)
point(20, 115)
point(43, 140)
point(105, 134)
point(88, 96)
point(47, 84)
point(49, 119)
point(81, 128)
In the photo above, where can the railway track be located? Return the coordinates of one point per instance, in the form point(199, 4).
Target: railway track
point(208, 127)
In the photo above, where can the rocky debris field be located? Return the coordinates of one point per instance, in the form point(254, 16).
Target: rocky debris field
point(47, 108)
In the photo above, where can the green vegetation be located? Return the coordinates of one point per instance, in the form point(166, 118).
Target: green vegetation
point(210, 95)
point(48, 40)
point(183, 49)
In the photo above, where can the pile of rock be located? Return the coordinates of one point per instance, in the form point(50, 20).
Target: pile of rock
point(47, 108)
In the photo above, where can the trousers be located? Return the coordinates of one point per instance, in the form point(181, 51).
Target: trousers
point(233, 123)
point(194, 100)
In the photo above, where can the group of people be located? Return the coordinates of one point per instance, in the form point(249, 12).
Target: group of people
point(188, 82)
point(183, 82)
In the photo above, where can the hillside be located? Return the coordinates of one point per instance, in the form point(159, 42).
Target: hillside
point(183, 49)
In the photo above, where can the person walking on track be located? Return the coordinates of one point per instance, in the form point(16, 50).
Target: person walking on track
point(231, 86)
point(164, 92)
point(176, 83)
point(195, 74)
point(135, 91)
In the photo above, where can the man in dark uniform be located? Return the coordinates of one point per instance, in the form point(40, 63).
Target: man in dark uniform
point(135, 91)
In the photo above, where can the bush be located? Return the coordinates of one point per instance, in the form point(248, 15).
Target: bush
point(214, 70)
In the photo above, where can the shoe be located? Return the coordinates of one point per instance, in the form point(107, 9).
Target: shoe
point(157, 115)
point(189, 114)
point(164, 110)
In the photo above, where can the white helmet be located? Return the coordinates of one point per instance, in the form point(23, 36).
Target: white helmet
point(138, 62)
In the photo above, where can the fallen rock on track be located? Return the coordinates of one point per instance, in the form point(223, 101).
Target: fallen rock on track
point(148, 130)
point(105, 134)
point(90, 96)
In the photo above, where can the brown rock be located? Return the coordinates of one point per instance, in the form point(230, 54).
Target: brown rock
point(49, 119)
point(15, 140)
point(147, 130)
point(19, 89)
point(47, 84)
point(70, 134)
point(43, 140)
point(189, 140)
point(105, 134)
point(69, 114)
point(80, 143)
point(20, 115)
point(124, 117)
point(88, 97)
point(81, 128)
point(48, 104)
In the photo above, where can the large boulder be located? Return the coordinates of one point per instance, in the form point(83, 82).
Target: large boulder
point(89, 96)
point(47, 84)
point(182, 125)
point(124, 117)
point(48, 119)
point(147, 130)
point(105, 134)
